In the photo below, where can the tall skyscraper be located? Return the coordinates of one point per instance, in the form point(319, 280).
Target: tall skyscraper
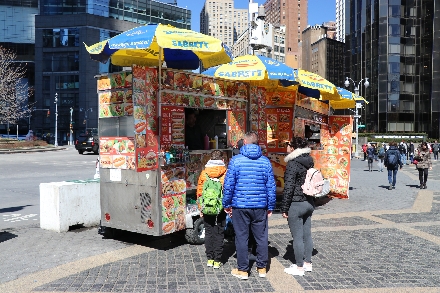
point(221, 20)
point(397, 46)
point(293, 15)
point(63, 66)
point(340, 20)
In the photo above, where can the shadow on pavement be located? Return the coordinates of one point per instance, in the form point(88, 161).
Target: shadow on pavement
point(413, 185)
point(5, 236)
point(13, 209)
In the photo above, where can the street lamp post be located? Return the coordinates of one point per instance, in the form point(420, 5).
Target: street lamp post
point(71, 127)
point(358, 106)
point(56, 119)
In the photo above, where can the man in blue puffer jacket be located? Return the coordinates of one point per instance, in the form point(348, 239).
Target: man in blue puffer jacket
point(249, 194)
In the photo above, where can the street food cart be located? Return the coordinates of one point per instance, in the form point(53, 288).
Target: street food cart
point(148, 175)
point(279, 114)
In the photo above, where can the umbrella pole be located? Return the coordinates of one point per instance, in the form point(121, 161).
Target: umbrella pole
point(160, 89)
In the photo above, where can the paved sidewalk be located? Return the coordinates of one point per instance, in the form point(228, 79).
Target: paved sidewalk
point(47, 148)
point(379, 240)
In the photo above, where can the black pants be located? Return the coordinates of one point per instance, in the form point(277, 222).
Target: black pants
point(214, 235)
point(423, 175)
point(435, 155)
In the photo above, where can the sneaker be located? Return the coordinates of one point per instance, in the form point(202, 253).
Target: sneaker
point(217, 264)
point(294, 271)
point(307, 267)
point(394, 186)
point(424, 186)
point(210, 263)
point(391, 187)
point(261, 272)
point(240, 274)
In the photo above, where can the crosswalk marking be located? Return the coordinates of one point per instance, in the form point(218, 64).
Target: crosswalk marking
point(18, 217)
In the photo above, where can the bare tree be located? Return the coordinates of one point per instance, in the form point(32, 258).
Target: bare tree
point(14, 91)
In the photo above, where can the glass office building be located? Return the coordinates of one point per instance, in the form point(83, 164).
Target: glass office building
point(396, 44)
point(64, 67)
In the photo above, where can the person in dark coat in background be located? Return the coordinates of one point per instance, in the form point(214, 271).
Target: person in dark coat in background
point(249, 194)
point(298, 207)
point(411, 152)
point(392, 162)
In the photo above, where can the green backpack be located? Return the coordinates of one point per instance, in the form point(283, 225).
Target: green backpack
point(212, 195)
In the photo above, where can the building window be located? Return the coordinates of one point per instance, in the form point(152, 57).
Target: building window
point(61, 61)
point(46, 83)
point(394, 30)
point(65, 82)
point(394, 67)
point(65, 37)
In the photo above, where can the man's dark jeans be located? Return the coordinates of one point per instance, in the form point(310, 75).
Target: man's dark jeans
point(392, 173)
point(257, 220)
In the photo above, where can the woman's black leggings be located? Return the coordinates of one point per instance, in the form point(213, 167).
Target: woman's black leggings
point(423, 175)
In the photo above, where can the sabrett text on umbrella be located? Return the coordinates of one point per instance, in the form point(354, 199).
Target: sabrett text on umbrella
point(240, 73)
point(316, 85)
point(186, 44)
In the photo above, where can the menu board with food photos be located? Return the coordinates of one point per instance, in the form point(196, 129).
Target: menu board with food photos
point(173, 126)
point(144, 113)
point(237, 126)
point(258, 115)
point(281, 98)
point(334, 160)
point(173, 198)
point(116, 103)
point(180, 88)
point(117, 153)
point(279, 128)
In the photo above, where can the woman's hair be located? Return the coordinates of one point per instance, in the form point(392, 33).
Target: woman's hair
point(424, 144)
point(217, 155)
point(393, 143)
point(298, 142)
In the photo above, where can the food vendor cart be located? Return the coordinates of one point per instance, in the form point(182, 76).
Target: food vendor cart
point(148, 176)
point(278, 115)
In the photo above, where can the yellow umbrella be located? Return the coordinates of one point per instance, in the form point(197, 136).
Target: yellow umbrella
point(315, 86)
point(146, 45)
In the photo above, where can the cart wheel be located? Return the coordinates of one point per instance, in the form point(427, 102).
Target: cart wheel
point(196, 235)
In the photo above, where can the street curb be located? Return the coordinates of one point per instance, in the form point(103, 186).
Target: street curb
point(31, 150)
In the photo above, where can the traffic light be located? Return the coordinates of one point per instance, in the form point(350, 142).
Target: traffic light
point(48, 113)
point(71, 126)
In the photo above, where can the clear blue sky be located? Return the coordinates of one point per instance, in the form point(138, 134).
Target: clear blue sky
point(319, 10)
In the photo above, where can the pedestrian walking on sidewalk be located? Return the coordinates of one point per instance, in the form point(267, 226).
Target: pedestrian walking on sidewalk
point(249, 197)
point(423, 158)
point(411, 152)
point(435, 150)
point(392, 162)
point(370, 156)
point(402, 150)
point(381, 156)
point(298, 207)
point(214, 171)
point(364, 150)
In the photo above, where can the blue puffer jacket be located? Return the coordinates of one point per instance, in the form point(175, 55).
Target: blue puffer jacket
point(249, 181)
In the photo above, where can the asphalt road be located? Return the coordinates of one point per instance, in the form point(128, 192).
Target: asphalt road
point(22, 173)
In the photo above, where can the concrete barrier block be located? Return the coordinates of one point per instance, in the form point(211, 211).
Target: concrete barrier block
point(64, 204)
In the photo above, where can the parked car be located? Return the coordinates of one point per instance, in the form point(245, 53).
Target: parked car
point(87, 142)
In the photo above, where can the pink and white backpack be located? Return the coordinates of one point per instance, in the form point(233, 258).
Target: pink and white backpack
point(315, 184)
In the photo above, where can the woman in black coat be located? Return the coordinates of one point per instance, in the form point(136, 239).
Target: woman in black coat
point(298, 207)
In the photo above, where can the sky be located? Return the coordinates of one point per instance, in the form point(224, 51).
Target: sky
point(319, 10)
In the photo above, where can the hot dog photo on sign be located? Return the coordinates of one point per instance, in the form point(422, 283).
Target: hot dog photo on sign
point(140, 126)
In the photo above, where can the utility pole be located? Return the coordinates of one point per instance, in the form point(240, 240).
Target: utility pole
point(56, 119)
